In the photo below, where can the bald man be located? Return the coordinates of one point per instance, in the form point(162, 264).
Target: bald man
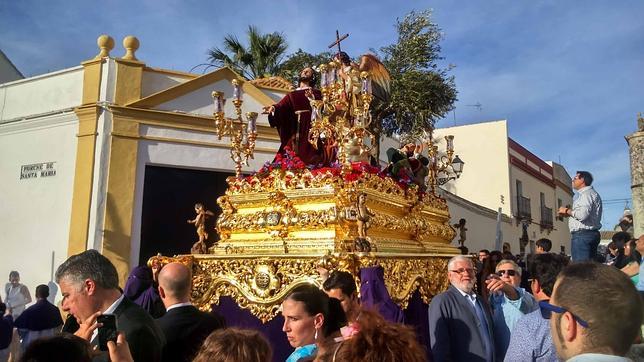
point(185, 327)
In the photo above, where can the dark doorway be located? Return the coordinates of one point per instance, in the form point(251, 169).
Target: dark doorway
point(169, 196)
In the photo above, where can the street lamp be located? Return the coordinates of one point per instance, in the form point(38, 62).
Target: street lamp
point(445, 168)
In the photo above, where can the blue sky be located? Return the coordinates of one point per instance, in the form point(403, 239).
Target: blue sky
point(567, 75)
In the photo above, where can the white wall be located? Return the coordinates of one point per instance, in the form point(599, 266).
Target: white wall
point(201, 102)
point(35, 212)
point(42, 94)
point(484, 149)
point(154, 81)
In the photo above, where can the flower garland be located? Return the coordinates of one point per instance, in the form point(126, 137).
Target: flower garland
point(290, 164)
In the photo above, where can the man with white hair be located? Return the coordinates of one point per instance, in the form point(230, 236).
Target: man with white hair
point(460, 325)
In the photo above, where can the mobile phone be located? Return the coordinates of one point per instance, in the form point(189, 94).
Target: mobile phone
point(106, 332)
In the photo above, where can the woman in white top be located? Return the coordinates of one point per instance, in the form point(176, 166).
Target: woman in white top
point(17, 295)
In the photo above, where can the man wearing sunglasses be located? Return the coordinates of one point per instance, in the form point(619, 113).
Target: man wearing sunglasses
point(581, 326)
point(509, 302)
point(530, 339)
point(460, 325)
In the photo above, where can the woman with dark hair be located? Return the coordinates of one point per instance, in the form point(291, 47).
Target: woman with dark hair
point(311, 321)
point(633, 258)
point(140, 288)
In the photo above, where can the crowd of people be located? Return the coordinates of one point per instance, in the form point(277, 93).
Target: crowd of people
point(497, 308)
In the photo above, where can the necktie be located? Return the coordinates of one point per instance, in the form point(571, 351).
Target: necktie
point(483, 328)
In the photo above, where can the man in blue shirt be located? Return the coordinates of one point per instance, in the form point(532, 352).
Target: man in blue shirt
point(584, 218)
point(530, 339)
point(509, 302)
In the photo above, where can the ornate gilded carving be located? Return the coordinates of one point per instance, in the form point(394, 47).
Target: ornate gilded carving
point(277, 226)
point(259, 284)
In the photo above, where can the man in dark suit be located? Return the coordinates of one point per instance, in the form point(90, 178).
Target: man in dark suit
point(460, 325)
point(89, 284)
point(184, 326)
point(40, 320)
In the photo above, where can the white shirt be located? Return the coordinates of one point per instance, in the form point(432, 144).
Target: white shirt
point(177, 306)
point(586, 210)
point(109, 310)
point(470, 297)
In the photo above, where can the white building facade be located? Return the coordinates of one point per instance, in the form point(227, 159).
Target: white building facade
point(506, 188)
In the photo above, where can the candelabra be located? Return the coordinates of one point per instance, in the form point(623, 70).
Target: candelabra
point(443, 168)
point(342, 116)
point(242, 139)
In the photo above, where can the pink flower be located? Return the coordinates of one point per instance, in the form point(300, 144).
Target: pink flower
point(350, 330)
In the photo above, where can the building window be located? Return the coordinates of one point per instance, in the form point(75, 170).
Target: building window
point(523, 204)
point(546, 213)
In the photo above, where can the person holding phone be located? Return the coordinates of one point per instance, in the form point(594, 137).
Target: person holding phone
point(508, 301)
point(89, 285)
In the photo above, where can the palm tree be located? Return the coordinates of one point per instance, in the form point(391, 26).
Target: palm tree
point(260, 59)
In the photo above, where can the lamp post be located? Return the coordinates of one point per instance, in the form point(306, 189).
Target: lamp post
point(443, 168)
point(242, 139)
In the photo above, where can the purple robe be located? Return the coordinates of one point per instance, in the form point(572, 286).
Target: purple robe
point(374, 294)
point(293, 134)
point(139, 288)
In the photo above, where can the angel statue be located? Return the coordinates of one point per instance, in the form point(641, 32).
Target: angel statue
point(360, 84)
point(350, 72)
point(362, 221)
point(200, 224)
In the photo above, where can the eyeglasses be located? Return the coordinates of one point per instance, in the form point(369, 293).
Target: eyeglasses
point(547, 309)
point(464, 270)
point(510, 272)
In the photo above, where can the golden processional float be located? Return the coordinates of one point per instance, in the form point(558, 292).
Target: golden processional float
point(279, 225)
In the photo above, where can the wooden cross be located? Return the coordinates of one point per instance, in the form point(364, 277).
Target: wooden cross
point(338, 39)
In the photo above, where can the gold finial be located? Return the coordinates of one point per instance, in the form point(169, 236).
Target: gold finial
point(105, 44)
point(131, 44)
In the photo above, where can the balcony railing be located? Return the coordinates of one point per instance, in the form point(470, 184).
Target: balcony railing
point(523, 210)
point(546, 217)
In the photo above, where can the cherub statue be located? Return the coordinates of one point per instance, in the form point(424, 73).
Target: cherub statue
point(200, 224)
point(462, 231)
point(362, 221)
